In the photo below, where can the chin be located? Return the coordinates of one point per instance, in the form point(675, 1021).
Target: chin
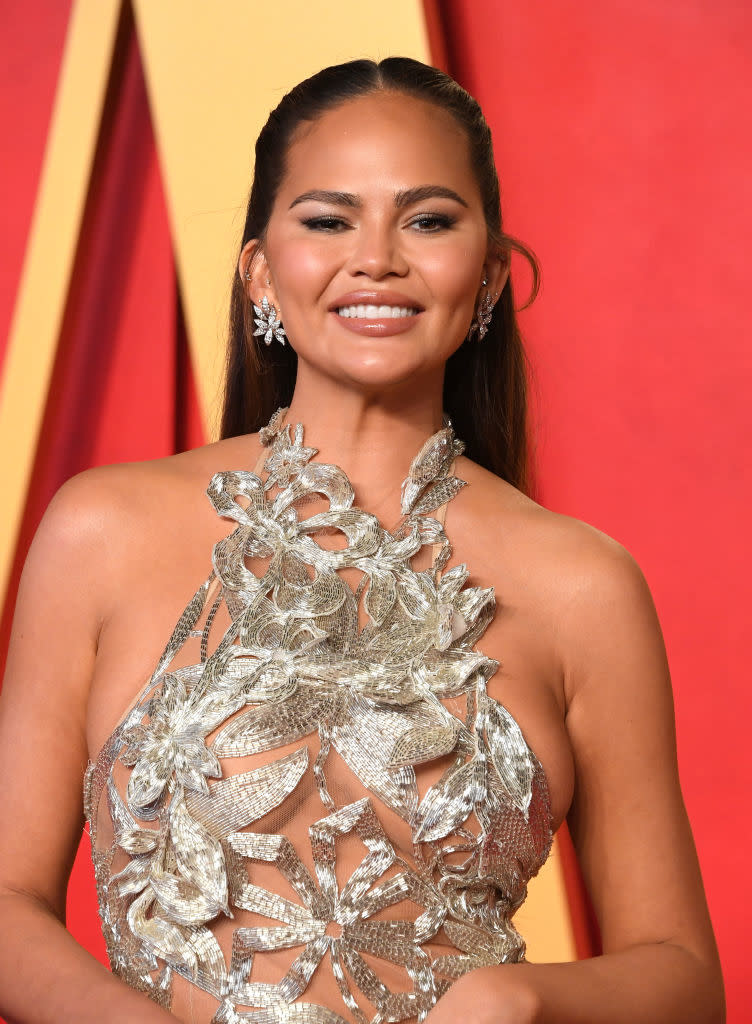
point(374, 363)
point(379, 372)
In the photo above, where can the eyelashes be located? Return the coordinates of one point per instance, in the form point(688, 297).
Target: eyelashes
point(432, 222)
point(424, 223)
point(326, 224)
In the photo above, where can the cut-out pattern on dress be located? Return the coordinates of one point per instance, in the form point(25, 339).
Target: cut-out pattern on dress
point(293, 666)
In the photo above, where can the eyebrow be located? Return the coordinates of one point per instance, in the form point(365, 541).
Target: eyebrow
point(403, 198)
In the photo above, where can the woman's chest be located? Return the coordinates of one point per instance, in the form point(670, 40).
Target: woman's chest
point(526, 682)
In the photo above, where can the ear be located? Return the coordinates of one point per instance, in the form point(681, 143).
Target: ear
point(254, 273)
point(496, 271)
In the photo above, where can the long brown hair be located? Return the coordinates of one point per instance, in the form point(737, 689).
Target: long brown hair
point(485, 385)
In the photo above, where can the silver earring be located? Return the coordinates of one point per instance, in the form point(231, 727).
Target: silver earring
point(485, 312)
point(482, 317)
point(267, 322)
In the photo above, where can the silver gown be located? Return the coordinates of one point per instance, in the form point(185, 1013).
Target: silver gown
point(314, 812)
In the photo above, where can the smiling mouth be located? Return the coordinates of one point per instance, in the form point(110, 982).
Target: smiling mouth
point(372, 312)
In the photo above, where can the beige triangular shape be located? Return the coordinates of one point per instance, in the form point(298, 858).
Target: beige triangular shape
point(213, 72)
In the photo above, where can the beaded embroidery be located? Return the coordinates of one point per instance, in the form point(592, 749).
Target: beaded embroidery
point(294, 664)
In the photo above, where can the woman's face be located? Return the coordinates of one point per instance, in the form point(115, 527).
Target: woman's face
point(377, 244)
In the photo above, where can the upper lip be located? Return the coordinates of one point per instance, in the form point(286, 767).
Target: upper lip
point(372, 298)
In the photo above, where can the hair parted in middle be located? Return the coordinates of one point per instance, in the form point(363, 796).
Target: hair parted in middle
point(485, 387)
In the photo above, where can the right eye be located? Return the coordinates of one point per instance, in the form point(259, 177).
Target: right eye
point(329, 223)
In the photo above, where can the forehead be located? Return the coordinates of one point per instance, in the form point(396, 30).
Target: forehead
point(386, 138)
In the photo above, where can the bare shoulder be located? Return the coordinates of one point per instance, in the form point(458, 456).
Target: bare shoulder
point(107, 520)
point(132, 492)
point(581, 556)
point(586, 583)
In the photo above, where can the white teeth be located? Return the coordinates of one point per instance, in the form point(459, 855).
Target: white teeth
point(376, 312)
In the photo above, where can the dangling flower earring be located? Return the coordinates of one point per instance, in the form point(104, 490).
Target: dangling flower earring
point(268, 324)
point(483, 315)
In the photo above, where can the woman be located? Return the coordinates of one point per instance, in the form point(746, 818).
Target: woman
point(326, 801)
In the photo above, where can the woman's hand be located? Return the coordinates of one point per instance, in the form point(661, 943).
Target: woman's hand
point(488, 995)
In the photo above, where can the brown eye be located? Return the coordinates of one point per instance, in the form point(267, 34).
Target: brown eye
point(432, 222)
point(328, 224)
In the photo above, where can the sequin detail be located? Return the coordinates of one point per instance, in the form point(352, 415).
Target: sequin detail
point(294, 666)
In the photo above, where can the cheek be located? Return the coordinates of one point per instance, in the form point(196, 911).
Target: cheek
point(455, 274)
point(301, 270)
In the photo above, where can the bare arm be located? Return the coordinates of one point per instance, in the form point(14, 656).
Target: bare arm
point(628, 822)
point(45, 976)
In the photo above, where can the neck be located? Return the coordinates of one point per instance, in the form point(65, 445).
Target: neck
point(373, 437)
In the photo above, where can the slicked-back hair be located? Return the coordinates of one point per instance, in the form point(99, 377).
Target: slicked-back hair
point(485, 386)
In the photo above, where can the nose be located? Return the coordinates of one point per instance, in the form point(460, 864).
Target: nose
point(377, 252)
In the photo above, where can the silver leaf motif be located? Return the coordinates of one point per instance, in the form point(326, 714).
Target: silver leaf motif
point(318, 704)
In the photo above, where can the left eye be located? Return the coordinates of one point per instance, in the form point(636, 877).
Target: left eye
point(431, 222)
point(324, 223)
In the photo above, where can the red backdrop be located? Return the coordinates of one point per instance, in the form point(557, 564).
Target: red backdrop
point(624, 153)
point(625, 163)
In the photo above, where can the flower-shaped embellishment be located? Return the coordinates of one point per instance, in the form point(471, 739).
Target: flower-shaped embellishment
point(173, 742)
point(350, 910)
point(273, 529)
point(445, 610)
point(270, 648)
point(441, 617)
point(288, 457)
point(268, 322)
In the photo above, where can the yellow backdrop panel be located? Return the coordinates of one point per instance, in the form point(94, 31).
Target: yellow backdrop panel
point(214, 71)
point(544, 917)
